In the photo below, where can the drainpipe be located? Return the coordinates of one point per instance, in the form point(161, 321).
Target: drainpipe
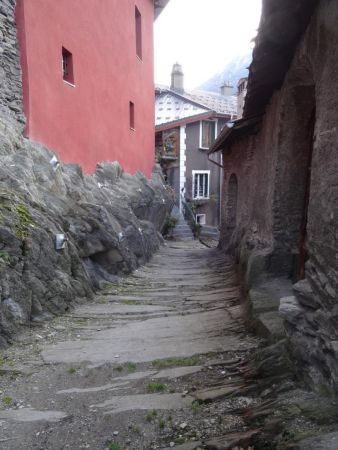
point(221, 176)
point(215, 162)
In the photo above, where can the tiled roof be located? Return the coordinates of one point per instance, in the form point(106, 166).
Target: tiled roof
point(216, 102)
point(171, 106)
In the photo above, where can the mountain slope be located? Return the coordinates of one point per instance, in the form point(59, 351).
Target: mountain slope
point(232, 72)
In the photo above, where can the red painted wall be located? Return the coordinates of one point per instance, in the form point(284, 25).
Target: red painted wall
point(89, 123)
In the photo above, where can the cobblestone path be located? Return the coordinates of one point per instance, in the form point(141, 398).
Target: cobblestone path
point(149, 364)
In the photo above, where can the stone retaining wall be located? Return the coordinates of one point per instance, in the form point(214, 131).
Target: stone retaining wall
point(10, 68)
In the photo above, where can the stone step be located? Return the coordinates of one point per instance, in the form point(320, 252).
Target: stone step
point(182, 231)
point(184, 238)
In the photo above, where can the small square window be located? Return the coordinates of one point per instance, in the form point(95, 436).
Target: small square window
point(201, 219)
point(132, 115)
point(67, 66)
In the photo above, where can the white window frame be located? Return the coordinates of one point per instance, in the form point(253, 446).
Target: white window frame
point(204, 220)
point(200, 172)
point(201, 130)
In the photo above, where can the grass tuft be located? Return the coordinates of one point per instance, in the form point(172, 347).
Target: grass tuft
point(156, 387)
point(115, 446)
point(151, 415)
point(175, 362)
point(7, 401)
point(196, 406)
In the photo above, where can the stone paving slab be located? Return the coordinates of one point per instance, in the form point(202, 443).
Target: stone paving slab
point(32, 415)
point(209, 395)
point(179, 336)
point(177, 372)
point(144, 402)
point(187, 446)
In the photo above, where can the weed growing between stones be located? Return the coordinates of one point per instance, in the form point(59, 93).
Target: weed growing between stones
point(196, 406)
point(156, 387)
point(115, 446)
point(130, 302)
point(169, 225)
point(173, 362)
point(72, 370)
point(25, 220)
point(131, 367)
point(5, 258)
point(151, 415)
point(7, 401)
point(136, 429)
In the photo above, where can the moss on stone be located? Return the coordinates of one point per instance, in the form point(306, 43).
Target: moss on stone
point(25, 220)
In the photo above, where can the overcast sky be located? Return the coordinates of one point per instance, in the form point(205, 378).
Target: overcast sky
point(203, 35)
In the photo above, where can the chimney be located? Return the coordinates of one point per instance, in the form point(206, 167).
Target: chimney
point(177, 79)
point(241, 94)
point(226, 89)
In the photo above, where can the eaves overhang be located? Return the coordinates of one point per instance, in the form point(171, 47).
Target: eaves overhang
point(159, 6)
point(234, 130)
point(282, 24)
point(187, 120)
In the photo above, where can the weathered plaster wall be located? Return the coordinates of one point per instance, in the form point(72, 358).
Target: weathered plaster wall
point(89, 123)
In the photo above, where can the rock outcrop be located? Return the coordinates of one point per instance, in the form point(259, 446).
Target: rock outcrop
point(111, 221)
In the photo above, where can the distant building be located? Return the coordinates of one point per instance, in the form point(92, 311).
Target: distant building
point(88, 79)
point(187, 124)
point(241, 94)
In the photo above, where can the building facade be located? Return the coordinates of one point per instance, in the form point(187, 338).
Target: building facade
point(88, 79)
point(187, 124)
point(280, 209)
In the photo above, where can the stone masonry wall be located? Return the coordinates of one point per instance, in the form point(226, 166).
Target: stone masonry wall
point(252, 160)
point(272, 169)
point(10, 68)
point(312, 317)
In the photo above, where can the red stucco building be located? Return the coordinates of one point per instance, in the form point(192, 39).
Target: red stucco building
point(88, 79)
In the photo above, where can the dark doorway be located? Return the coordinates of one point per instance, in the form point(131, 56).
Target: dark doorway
point(303, 254)
point(232, 201)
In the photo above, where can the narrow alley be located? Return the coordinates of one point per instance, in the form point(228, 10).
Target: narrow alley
point(138, 368)
point(135, 138)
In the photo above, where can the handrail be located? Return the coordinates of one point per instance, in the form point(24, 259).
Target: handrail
point(188, 213)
